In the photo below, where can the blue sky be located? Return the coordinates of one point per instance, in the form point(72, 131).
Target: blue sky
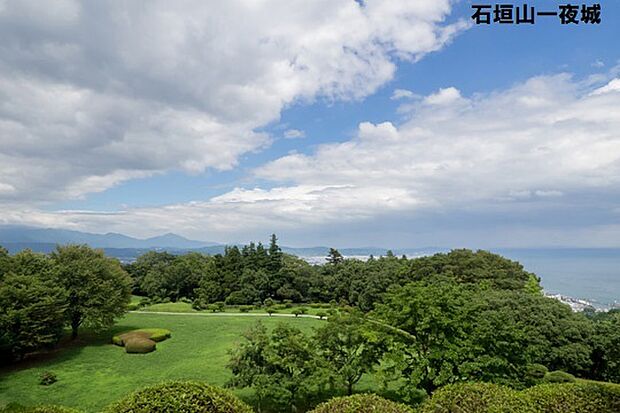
point(471, 70)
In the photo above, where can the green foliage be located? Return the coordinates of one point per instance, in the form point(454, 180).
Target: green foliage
point(349, 347)
point(475, 398)
point(361, 403)
point(559, 376)
point(139, 345)
point(468, 267)
point(279, 366)
point(579, 397)
point(180, 397)
point(321, 314)
point(536, 371)
point(606, 347)
point(461, 332)
point(47, 377)
point(33, 314)
point(98, 288)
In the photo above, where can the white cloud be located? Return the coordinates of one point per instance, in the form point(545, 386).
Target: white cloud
point(402, 94)
point(443, 97)
point(294, 134)
point(95, 93)
point(489, 152)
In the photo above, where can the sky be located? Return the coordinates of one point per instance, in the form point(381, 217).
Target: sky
point(342, 123)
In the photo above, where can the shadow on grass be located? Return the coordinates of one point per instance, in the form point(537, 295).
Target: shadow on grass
point(66, 349)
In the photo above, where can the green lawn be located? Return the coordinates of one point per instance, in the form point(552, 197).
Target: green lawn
point(93, 372)
point(181, 307)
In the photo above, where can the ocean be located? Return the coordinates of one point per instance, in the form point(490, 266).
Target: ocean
point(588, 274)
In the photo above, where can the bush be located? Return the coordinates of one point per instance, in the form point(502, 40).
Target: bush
point(321, 314)
point(475, 398)
point(47, 377)
point(559, 377)
point(536, 371)
point(155, 334)
point(361, 403)
point(133, 306)
point(245, 308)
point(581, 397)
point(180, 397)
point(139, 345)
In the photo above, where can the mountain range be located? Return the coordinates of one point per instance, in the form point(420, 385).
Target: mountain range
point(126, 248)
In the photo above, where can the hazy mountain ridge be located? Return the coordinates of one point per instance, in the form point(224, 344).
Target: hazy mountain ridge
point(32, 236)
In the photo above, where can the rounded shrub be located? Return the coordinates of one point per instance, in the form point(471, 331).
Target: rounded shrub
point(180, 397)
point(579, 397)
point(559, 376)
point(361, 403)
point(139, 345)
point(536, 371)
point(47, 377)
point(475, 398)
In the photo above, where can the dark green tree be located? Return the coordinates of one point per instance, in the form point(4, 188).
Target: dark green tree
point(33, 314)
point(334, 257)
point(98, 289)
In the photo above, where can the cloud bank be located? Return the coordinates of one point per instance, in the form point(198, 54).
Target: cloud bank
point(96, 93)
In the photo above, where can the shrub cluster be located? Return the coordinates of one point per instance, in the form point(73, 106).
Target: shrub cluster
point(47, 377)
point(141, 341)
point(578, 397)
point(180, 397)
point(361, 403)
point(559, 377)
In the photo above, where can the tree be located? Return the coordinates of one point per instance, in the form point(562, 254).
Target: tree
point(275, 255)
point(334, 257)
point(456, 332)
point(349, 348)
point(98, 288)
point(606, 347)
point(279, 366)
point(32, 314)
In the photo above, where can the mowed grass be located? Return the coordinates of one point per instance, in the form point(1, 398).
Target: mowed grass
point(93, 372)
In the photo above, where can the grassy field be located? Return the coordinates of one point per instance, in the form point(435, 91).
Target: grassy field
point(92, 372)
point(180, 307)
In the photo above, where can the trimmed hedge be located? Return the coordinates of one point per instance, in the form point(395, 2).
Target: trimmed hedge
point(361, 403)
point(180, 397)
point(139, 345)
point(475, 398)
point(579, 397)
point(155, 334)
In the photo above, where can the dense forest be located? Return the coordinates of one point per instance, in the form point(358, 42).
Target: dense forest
point(418, 323)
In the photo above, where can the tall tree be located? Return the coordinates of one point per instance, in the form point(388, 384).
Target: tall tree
point(98, 288)
point(275, 255)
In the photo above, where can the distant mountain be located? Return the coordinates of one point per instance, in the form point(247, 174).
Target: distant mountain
point(24, 236)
